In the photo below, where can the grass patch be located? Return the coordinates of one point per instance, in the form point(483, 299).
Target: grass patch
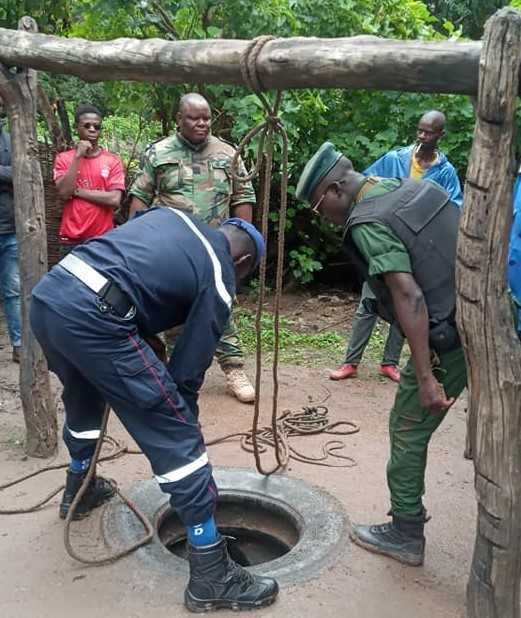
point(294, 347)
point(326, 348)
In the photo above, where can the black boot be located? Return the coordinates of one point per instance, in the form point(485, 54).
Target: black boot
point(217, 582)
point(402, 539)
point(98, 492)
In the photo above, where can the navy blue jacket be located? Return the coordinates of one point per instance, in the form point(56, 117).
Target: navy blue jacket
point(6, 184)
point(164, 264)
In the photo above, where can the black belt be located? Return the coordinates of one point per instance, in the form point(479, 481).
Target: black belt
point(109, 296)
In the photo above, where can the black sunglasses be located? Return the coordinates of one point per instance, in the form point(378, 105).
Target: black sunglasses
point(92, 125)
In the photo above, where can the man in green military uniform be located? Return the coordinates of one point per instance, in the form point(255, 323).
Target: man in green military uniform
point(191, 171)
point(402, 235)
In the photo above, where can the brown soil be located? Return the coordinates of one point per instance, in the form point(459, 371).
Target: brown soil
point(311, 312)
point(39, 580)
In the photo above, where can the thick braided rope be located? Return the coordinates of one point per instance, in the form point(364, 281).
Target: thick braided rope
point(266, 130)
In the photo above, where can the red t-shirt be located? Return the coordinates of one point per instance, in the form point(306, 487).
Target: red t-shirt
point(81, 219)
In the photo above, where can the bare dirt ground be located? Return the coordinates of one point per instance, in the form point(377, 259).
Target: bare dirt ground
point(312, 311)
point(39, 580)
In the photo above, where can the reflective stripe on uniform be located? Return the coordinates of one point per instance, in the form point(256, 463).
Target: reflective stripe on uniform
point(217, 270)
point(84, 272)
point(90, 434)
point(180, 473)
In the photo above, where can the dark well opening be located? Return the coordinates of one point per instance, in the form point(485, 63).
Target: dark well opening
point(261, 529)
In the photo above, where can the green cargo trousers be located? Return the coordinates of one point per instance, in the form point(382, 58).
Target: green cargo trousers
point(411, 428)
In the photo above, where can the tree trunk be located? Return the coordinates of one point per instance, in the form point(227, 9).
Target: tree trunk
point(57, 135)
point(360, 62)
point(65, 124)
point(18, 89)
point(486, 325)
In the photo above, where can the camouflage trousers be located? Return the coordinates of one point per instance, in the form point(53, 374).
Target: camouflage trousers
point(228, 352)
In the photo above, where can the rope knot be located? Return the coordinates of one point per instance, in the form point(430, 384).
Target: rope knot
point(249, 68)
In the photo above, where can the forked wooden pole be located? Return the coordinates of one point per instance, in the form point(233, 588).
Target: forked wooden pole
point(491, 345)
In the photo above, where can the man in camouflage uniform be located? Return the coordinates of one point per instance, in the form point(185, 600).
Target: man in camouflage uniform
point(191, 171)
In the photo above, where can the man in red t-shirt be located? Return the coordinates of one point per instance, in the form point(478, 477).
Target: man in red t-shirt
point(90, 180)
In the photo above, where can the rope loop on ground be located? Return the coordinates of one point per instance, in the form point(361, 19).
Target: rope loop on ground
point(149, 528)
point(116, 450)
point(310, 420)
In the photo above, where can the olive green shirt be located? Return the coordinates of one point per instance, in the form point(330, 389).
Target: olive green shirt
point(383, 251)
point(196, 178)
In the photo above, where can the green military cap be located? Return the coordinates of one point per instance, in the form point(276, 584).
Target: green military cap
point(322, 162)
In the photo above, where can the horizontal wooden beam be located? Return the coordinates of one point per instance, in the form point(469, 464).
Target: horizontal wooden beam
point(363, 62)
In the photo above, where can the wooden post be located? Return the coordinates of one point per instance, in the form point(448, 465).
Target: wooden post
point(18, 90)
point(491, 345)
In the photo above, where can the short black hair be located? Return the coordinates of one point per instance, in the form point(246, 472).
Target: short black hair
point(243, 241)
point(192, 98)
point(85, 109)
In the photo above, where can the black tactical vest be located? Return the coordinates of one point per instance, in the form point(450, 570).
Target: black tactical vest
point(422, 216)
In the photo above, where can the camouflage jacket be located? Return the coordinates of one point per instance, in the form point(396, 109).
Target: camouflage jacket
point(193, 178)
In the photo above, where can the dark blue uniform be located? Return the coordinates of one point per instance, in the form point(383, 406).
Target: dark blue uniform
point(174, 270)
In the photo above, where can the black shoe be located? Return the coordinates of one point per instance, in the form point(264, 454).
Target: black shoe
point(402, 539)
point(99, 491)
point(216, 582)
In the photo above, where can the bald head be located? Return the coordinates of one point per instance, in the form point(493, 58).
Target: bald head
point(194, 118)
point(436, 118)
point(431, 128)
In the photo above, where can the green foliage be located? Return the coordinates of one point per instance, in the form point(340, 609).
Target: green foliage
point(303, 264)
point(127, 135)
point(468, 15)
point(52, 16)
point(75, 91)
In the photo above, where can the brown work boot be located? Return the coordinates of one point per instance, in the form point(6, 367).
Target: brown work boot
point(238, 383)
point(16, 354)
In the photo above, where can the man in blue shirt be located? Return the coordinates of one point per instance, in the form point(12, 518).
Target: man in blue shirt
point(93, 313)
point(421, 160)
